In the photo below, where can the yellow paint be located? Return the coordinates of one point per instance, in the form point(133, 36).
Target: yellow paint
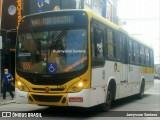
point(148, 70)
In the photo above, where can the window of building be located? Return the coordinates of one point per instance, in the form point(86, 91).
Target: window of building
point(89, 2)
point(109, 11)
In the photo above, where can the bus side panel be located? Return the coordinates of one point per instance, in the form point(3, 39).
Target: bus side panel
point(85, 94)
point(100, 80)
point(134, 80)
point(148, 76)
point(98, 86)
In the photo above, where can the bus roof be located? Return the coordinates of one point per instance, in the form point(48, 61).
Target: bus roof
point(116, 27)
point(134, 38)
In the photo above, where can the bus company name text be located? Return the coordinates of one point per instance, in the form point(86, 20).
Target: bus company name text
point(21, 115)
point(69, 51)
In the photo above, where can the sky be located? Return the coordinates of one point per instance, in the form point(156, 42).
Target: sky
point(142, 20)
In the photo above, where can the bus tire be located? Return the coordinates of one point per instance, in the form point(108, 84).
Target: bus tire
point(141, 93)
point(106, 106)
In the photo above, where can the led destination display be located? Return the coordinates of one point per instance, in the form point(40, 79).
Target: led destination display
point(52, 21)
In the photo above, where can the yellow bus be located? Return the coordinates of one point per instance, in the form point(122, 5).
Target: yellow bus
point(77, 58)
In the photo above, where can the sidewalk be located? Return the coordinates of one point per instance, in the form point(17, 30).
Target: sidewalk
point(8, 99)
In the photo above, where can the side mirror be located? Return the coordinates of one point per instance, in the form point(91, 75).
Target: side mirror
point(96, 62)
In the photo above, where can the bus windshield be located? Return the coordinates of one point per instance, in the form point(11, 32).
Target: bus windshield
point(52, 52)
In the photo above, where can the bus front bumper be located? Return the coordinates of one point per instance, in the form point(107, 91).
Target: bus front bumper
point(79, 99)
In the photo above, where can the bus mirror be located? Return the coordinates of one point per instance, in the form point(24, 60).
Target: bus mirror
point(98, 62)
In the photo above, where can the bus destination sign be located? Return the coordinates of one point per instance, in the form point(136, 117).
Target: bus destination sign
point(58, 20)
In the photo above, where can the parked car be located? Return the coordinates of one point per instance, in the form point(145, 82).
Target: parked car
point(156, 76)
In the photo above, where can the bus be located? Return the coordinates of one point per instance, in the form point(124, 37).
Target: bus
point(77, 58)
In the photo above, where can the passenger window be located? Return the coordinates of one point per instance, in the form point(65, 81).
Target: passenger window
point(142, 55)
point(111, 53)
point(136, 52)
point(147, 56)
point(119, 45)
point(131, 52)
point(151, 58)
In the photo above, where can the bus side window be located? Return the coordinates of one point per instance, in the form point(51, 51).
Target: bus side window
point(136, 52)
point(111, 51)
point(131, 52)
point(125, 50)
point(97, 40)
point(142, 55)
point(151, 58)
point(97, 43)
point(119, 45)
point(147, 56)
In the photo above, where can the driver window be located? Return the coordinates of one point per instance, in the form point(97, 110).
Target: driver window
point(97, 42)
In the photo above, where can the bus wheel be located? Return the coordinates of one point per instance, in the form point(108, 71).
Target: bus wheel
point(141, 93)
point(106, 106)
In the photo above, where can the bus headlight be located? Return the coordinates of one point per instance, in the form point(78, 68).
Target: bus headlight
point(78, 86)
point(21, 86)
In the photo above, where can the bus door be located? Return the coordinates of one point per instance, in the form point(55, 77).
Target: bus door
point(98, 66)
point(124, 68)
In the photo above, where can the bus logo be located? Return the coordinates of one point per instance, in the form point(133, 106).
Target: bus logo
point(47, 89)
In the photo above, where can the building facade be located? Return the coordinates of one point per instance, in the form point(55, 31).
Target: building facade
point(14, 10)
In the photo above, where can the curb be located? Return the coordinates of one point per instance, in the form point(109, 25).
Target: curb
point(7, 102)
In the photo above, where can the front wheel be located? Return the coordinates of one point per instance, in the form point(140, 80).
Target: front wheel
point(106, 106)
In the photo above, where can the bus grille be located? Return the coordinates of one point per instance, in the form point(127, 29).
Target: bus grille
point(42, 98)
point(51, 89)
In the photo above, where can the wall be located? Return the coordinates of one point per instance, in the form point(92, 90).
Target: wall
point(9, 14)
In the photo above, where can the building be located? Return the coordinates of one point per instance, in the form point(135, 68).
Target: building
point(14, 10)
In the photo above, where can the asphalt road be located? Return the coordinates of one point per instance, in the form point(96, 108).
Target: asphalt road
point(119, 110)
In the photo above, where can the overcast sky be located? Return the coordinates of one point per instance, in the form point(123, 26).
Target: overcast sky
point(142, 19)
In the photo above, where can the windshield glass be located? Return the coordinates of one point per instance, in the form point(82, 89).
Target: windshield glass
point(52, 52)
